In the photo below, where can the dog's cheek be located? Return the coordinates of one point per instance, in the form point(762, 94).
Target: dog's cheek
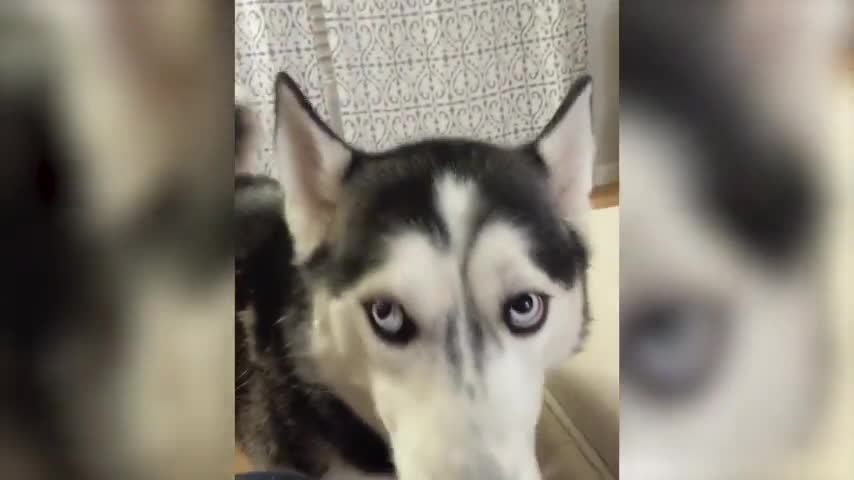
point(563, 334)
point(335, 342)
point(389, 399)
point(342, 326)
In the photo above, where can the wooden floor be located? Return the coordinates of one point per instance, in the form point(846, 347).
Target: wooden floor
point(241, 463)
point(606, 196)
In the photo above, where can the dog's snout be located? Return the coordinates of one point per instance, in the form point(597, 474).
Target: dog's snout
point(464, 456)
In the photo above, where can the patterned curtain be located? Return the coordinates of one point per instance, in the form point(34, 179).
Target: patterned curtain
point(382, 72)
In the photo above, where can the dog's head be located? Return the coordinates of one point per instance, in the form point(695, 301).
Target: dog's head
point(721, 334)
point(446, 276)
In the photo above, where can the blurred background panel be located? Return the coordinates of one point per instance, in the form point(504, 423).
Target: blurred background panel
point(735, 324)
point(117, 144)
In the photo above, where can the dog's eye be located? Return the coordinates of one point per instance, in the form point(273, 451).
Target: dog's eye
point(389, 321)
point(670, 348)
point(388, 316)
point(525, 313)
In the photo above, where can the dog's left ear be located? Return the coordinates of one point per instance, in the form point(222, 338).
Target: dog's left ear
point(568, 148)
point(313, 162)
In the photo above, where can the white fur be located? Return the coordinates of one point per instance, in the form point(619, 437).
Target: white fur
point(500, 266)
point(473, 417)
point(455, 200)
point(438, 428)
point(762, 395)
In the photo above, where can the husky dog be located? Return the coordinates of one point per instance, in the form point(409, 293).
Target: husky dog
point(723, 359)
point(397, 311)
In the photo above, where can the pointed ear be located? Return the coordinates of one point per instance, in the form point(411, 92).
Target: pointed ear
point(568, 149)
point(312, 162)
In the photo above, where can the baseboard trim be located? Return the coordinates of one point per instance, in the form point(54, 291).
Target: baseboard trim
point(590, 453)
point(605, 196)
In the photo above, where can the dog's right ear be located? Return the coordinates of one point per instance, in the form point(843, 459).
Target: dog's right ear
point(312, 163)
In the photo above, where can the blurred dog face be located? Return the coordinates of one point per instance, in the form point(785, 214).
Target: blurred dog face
point(445, 278)
point(717, 342)
point(121, 260)
point(721, 331)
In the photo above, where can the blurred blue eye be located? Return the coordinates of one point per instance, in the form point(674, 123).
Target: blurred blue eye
point(669, 348)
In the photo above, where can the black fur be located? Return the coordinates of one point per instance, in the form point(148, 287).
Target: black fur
point(302, 420)
point(452, 346)
point(395, 189)
point(43, 279)
point(70, 286)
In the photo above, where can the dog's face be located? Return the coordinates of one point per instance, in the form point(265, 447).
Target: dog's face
point(720, 344)
point(721, 334)
point(446, 277)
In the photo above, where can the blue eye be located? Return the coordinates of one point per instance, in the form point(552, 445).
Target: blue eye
point(670, 347)
point(389, 321)
point(387, 316)
point(525, 313)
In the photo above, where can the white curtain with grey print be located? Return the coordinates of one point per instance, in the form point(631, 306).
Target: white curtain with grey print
point(383, 72)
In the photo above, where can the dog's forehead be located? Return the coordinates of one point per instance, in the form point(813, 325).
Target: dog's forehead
point(439, 185)
point(448, 191)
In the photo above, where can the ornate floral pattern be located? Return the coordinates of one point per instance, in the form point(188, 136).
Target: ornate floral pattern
point(410, 69)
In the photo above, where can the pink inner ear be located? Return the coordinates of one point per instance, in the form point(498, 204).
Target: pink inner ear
point(569, 149)
point(570, 160)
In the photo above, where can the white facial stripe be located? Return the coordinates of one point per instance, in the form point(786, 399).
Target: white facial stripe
point(456, 203)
